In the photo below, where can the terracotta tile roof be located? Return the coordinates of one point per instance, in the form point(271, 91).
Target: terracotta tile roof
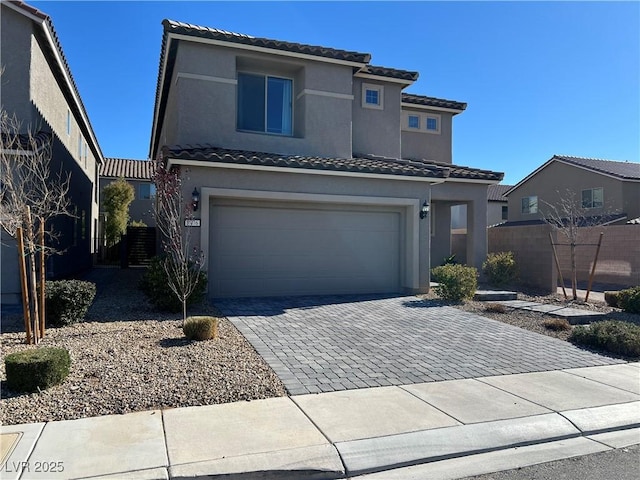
point(127, 168)
point(624, 170)
point(364, 164)
point(62, 67)
point(390, 72)
point(222, 35)
point(495, 193)
point(432, 102)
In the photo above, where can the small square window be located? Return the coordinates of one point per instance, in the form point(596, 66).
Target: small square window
point(372, 96)
point(414, 121)
point(146, 191)
point(432, 124)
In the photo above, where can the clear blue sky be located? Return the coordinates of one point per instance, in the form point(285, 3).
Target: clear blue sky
point(539, 78)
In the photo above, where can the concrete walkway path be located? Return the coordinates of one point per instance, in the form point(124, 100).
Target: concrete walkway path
point(333, 343)
point(447, 429)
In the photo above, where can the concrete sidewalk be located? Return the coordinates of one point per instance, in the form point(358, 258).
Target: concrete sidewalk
point(447, 429)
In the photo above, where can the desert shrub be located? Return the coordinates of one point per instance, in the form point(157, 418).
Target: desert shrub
point(455, 282)
point(495, 308)
point(500, 268)
point(137, 223)
point(155, 285)
point(36, 369)
point(67, 301)
point(611, 335)
point(200, 328)
point(629, 300)
point(557, 324)
point(611, 298)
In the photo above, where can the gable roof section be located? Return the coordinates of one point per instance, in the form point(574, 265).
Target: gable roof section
point(405, 77)
point(623, 171)
point(362, 164)
point(412, 100)
point(52, 48)
point(127, 168)
point(495, 193)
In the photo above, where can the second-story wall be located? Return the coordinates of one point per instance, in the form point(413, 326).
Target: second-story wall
point(376, 129)
point(420, 143)
point(202, 103)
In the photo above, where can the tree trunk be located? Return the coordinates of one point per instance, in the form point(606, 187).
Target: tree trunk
point(574, 275)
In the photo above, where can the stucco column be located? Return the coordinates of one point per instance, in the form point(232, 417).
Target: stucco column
point(476, 232)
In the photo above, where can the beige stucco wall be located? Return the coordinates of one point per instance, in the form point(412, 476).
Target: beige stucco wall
point(631, 199)
point(377, 131)
point(202, 102)
point(552, 183)
point(430, 146)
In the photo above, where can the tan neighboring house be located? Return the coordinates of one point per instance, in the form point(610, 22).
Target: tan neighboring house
point(138, 174)
point(603, 187)
point(316, 172)
point(38, 88)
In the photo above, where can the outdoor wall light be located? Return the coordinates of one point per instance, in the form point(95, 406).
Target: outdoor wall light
point(195, 199)
point(424, 210)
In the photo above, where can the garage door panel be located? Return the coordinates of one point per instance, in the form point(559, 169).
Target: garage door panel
point(269, 250)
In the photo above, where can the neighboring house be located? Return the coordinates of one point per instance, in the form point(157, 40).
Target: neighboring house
point(604, 188)
point(497, 209)
point(38, 88)
point(313, 167)
point(138, 174)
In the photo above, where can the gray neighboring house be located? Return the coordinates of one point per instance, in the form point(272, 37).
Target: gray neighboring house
point(38, 88)
point(138, 174)
point(604, 187)
point(314, 169)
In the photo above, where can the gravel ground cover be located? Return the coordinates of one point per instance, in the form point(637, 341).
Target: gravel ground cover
point(126, 357)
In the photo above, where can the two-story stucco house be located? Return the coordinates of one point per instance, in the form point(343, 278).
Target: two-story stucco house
point(38, 88)
point(316, 173)
point(602, 188)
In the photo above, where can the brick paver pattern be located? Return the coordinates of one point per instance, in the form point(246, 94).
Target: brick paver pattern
point(330, 343)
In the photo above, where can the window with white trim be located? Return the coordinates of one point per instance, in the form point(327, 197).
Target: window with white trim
point(421, 122)
point(372, 96)
point(593, 198)
point(68, 122)
point(529, 204)
point(265, 104)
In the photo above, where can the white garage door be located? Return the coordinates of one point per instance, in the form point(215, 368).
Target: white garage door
point(276, 249)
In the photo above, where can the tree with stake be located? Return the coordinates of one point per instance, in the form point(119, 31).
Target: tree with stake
point(31, 197)
point(183, 262)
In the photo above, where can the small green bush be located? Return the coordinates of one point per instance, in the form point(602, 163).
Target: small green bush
point(36, 369)
point(155, 285)
point(611, 298)
point(557, 324)
point(455, 282)
point(629, 300)
point(611, 335)
point(500, 268)
point(67, 301)
point(200, 328)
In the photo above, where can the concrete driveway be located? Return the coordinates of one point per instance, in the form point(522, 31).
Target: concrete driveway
point(330, 343)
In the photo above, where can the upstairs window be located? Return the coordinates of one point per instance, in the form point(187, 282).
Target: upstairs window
point(146, 191)
point(372, 96)
point(593, 198)
point(414, 122)
point(265, 104)
point(68, 122)
point(433, 123)
point(530, 204)
point(505, 212)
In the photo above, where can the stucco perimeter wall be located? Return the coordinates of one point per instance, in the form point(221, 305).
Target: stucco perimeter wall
point(618, 261)
point(532, 250)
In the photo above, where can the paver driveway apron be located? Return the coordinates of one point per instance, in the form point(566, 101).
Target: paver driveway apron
point(330, 343)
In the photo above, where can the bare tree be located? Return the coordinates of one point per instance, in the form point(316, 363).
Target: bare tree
point(183, 261)
point(31, 196)
point(569, 216)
